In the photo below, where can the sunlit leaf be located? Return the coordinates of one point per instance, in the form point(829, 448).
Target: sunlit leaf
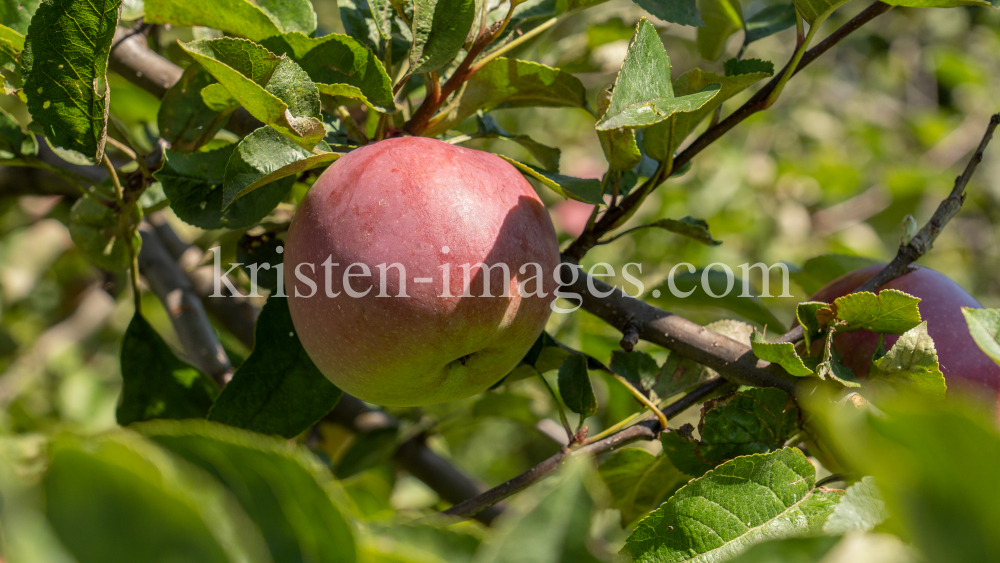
point(265, 156)
point(273, 89)
point(65, 62)
point(738, 504)
point(862, 508)
point(911, 365)
point(510, 83)
point(781, 353)
point(643, 94)
point(339, 65)
point(439, 31)
point(581, 189)
point(890, 312)
point(722, 19)
point(739, 76)
point(281, 487)
point(984, 326)
point(194, 185)
point(184, 119)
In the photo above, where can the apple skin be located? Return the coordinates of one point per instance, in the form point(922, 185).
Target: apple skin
point(424, 204)
point(963, 364)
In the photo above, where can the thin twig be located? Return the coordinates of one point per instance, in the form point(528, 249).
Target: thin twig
point(186, 312)
point(733, 360)
point(758, 102)
point(646, 430)
point(562, 411)
point(922, 242)
point(642, 399)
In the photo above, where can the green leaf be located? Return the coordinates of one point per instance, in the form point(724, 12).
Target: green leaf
point(155, 383)
point(339, 65)
point(368, 450)
point(781, 353)
point(15, 39)
point(506, 405)
point(754, 421)
point(290, 15)
point(118, 498)
point(817, 272)
point(862, 508)
point(769, 21)
point(510, 83)
point(17, 14)
point(284, 489)
point(488, 128)
point(740, 503)
point(273, 89)
point(984, 326)
point(550, 525)
point(806, 313)
point(816, 11)
point(790, 550)
point(690, 227)
point(580, 189)
point(95, 229)
point(217, 98)
point(543, 356)
point(750, 308)
point(639, 368)
point(931, 461)
point(193, 183)
point(14, 142)
point(277, 390)
point(236, 17)
point(184, 119)
point(439, 31)
point(65, 64)
point(680, 374)
point(682, 449)
point(619, 145)
point(423, 541)
point(574, 386)
point(643, 94)
point(639, 481)
point(739, 76)
point(942, 3)
point(683, 12)
point(910, 365)
point(890, 312)
point(722, 19)
point(265, 156)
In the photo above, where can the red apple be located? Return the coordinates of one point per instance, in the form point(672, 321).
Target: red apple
point(430, 207)
point(961, 360)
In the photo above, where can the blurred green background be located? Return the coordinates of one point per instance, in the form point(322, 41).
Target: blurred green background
point(876, 129)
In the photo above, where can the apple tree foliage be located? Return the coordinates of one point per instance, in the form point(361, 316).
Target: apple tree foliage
point(244, 467)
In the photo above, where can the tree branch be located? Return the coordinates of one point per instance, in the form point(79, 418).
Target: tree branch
point(923, 241)
point(183, 307)
point(733, 360)
point(758, 102)
point(645, 430)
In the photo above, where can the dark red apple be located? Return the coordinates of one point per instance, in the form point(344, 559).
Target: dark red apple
point(961, 360)
point(431, 208)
